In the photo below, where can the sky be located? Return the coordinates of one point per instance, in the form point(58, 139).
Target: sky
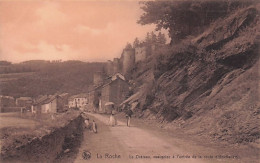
point(68, 30)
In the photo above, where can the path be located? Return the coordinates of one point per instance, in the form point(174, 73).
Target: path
point(131, 143)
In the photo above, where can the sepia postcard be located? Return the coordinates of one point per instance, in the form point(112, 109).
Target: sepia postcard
point(128, 81)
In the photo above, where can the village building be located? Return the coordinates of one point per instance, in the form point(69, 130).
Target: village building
point(37, 104)
point(113, 91)
point(65, 99)
point(107, 91)
point(24, 102)
point(50, 104)
point(7, 103)
point(53, 104)
point(78, 101)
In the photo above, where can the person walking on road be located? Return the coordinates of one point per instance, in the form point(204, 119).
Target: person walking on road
point(129, 113)
point(87, 125)
point(112, 120)
point(94, 126)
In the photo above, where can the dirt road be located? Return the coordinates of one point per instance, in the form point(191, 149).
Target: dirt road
point(132, 144)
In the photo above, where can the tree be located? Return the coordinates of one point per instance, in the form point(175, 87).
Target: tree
point(183, 18)
point(136, 43)
point(128, 46)
point(148, 38)
point(161, 39)
point(153, 38)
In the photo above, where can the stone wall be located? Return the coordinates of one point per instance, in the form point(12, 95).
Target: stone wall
point(45, 148)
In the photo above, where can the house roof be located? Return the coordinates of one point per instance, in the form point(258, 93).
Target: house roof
point(50, 99)
point(110, 80)
point(109, 103)
point(133, 98)
point(9, 97)
point(41, 100)
point(47, 99)
point(64, 94)
point(82, 95)
point(116, 76)
point(24, 98)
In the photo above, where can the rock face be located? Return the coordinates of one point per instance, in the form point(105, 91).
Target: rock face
point(209, 84)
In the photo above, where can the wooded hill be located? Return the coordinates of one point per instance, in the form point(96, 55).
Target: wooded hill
point(49, 77)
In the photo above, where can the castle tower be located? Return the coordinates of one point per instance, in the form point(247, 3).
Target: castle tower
point(98, 78)
point(109, 68)
point(128, 59)
point(116, 64)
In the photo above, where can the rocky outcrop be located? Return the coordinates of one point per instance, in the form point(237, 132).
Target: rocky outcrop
point(209, 84)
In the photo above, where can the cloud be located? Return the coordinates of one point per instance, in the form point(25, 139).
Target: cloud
point(89, 31)
point(49, 14)
point(82, 29)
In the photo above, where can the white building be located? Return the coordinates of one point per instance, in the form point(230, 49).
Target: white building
point(80, 101)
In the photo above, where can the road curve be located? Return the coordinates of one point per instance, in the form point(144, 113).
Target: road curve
point(128, 144)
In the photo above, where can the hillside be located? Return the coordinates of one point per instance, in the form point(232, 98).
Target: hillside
point(70, 76)
point(206, 84)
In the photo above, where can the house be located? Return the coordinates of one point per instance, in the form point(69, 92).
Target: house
point(24, 101)
point(50, 104)
point(36, 105)
point(6, 101)
point(114, 90)
point(65, 99)
point(54, 104)
point(78, 101)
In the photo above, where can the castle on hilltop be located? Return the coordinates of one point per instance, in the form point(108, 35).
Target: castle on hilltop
point(128, 58)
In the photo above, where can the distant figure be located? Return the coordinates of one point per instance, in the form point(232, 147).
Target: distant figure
point(129, 113)
point(94, 126)
point(112, 120)
point(52, 117)
point(87, 125)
